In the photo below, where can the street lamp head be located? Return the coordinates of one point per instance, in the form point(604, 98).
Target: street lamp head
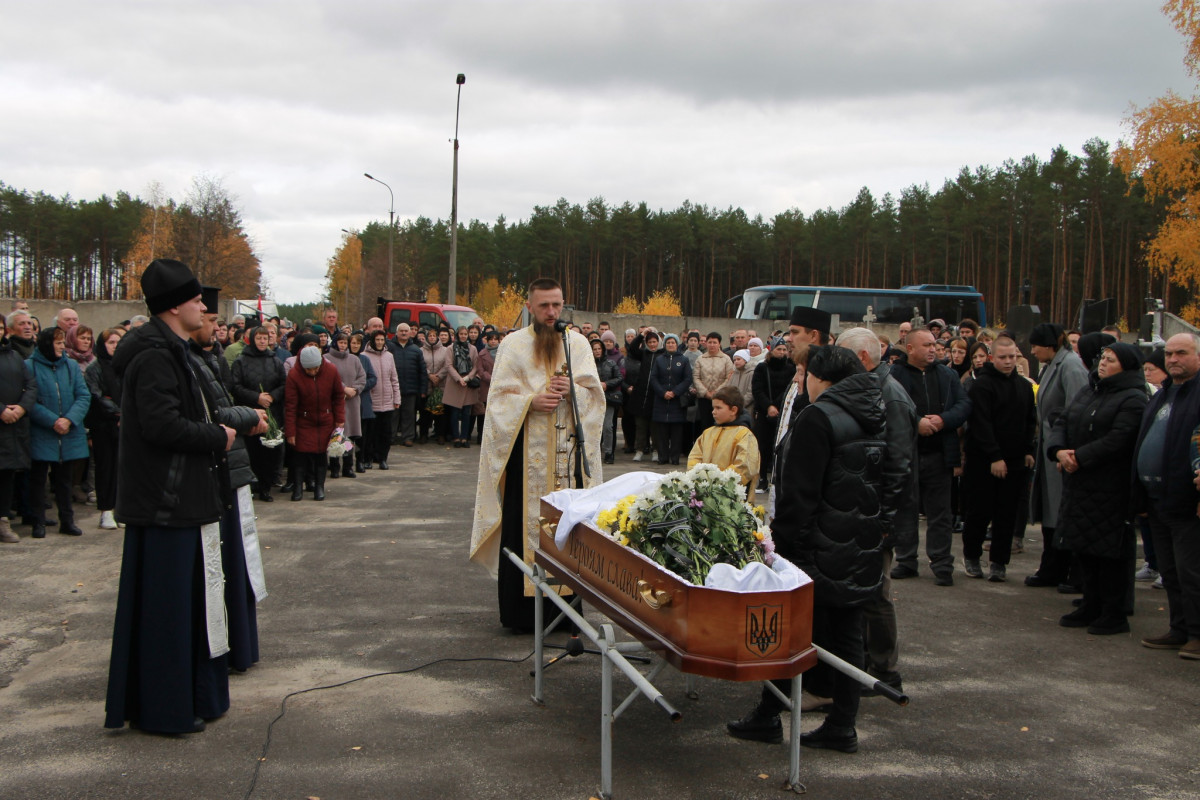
point(461, 79)
point(368, 175)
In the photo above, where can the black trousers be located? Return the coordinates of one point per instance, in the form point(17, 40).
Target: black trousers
point(1104, 585)
point(704, 417)
point(1177, 545)
point(838, 630)
point(264, 462)
point(60, 482)
point(516, 608)
point(669, 441)
point(104, 452)
point(994, 501)
point(629, 428)
point(381, 443)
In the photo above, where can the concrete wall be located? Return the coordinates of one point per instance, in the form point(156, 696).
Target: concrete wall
point(96, 314)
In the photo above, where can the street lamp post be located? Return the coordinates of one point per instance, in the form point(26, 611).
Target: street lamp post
point(391, 229)
point(453, 297)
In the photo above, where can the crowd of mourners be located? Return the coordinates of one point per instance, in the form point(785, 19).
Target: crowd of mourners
point(1093, 438)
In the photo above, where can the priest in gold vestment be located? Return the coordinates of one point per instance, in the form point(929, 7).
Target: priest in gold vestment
point(529, 445)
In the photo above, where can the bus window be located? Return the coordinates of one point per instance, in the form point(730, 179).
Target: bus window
point(849, 306)
point(892, 310)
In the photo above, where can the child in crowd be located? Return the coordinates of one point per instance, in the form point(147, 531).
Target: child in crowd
point(729, 443)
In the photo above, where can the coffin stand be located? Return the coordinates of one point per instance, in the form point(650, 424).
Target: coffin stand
point(740, 636)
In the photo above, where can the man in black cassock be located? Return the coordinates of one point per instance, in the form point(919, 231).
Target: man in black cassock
point(168, 672)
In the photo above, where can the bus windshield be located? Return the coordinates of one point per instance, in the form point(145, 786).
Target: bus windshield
point(774, 304)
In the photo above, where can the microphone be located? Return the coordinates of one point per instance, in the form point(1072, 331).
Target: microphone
point(561, 325)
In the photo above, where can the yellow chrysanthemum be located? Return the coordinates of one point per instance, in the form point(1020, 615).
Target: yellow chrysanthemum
point(759, 535)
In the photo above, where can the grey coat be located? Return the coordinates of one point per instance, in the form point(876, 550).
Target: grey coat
point(351, 371)
point(1061, 380)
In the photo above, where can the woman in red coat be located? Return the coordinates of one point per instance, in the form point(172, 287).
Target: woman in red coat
point(314, 405)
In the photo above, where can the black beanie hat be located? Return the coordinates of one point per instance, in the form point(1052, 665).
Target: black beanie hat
point(1046, 334)
point(1158, 357)
point(1128, 354)
point(812, 318)
point(167, 283)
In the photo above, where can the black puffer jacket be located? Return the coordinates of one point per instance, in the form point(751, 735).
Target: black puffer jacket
point(17, 387)
point(828, 516)
point(169, 446)
point(213, 371)
point(1101, 426)
point(256, 368)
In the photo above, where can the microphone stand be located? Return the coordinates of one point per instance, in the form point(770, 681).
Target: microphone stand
point(581, 466)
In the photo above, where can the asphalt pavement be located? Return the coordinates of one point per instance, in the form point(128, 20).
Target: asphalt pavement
point(400, 682)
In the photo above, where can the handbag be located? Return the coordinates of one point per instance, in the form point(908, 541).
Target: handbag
point(474, 383)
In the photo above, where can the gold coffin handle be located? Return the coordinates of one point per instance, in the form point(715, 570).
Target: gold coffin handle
point(655, 598)
point(547, 526)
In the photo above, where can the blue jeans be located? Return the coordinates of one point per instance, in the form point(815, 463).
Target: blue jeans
point(460, 423)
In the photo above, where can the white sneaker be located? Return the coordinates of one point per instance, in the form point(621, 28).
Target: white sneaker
point(1157, 583)
point(107, 522)
point(655, 456)
point(1145, 574)
point(637, 456)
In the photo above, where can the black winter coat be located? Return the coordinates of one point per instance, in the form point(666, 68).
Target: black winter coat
point(770, 383)
point(1179, 495)
point(828, 518)
point(235, 463)
point(641, 401)
point(1101, 426)
point(105, 386)
point(1003, 422)
point(956, 405)
point(17, 387)
point(411, 371)
point(253, 369)
point(170, 446)
point(671, 372)
point(610, 376)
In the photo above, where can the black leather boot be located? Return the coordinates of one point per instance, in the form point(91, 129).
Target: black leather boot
point(319, 480)
point(298, 470)
point(334, 466)
point(348, 466)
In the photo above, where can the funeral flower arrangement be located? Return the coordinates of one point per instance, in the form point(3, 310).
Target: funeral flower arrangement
point(692, 520)
point(339, 444)
point(274, 435)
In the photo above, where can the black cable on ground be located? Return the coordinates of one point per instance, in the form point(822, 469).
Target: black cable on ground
point(283, 705)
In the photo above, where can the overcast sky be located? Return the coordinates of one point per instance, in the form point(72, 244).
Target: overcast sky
point(762, 105)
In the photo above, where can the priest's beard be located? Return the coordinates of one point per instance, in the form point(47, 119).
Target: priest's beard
point(547, 345)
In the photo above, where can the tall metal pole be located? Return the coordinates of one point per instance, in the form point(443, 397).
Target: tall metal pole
point(391, 230)
point(453, 297)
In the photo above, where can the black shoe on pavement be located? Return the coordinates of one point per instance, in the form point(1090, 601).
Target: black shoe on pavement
point(1069, 588)
point(70, 529)
point(1079, 618)
point(900, 572)
point(1109, 626)
point(39, 530)
point(944, 579)
point(757, 726)
point(1038, 581)
point(383, 465)
point(830, 737)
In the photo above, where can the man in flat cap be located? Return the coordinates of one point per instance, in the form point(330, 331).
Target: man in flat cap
point(168, 671)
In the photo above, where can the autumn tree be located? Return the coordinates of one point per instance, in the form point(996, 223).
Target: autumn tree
point(1164, 153)
point(343, 274)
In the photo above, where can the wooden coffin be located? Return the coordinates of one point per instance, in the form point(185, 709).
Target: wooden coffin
point(740, 636)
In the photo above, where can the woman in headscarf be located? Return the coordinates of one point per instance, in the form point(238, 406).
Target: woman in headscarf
point(103, 420)
point(314, 406)
point(462, 387)
point(258, 381)
point(80, 340)
point(58, 435)
point(670, 377)
point(362, 458)
point(354, 381)
point(1092, 444)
